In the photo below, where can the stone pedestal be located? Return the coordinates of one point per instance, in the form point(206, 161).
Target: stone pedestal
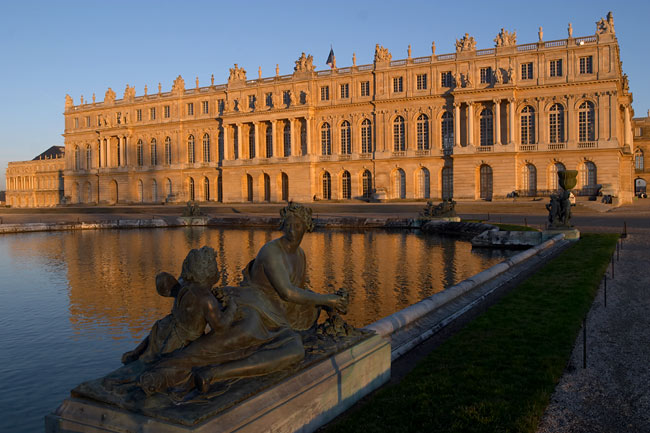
point(302, 402)
point(570, 233)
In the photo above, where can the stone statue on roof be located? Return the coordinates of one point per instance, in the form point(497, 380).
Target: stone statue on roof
point(179, 85)
point(129, 93)
point(605, 26)
point(382, 54)
point(109, 96)
point(466, 43)
point(237, 74)
point(69, 103)
point(505, 38)
point(304, 63)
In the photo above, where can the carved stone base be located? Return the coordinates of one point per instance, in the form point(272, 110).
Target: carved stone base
point(570, 233)
point(301, 402)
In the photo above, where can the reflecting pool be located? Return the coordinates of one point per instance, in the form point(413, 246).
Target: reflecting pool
point(73, 302)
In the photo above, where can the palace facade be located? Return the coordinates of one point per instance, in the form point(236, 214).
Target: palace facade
point(39, 182)
point(641, 149)
point(473, 124)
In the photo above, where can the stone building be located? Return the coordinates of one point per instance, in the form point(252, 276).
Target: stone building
point(39, 182)
point(641, 150)
point(472, 124)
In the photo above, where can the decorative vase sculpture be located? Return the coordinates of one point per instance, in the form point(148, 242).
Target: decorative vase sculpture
point(559, 207)
point(567, 179)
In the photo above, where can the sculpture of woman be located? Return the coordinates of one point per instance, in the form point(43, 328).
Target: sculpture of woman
point(271, 306)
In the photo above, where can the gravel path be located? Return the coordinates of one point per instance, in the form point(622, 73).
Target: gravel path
point(613, 393)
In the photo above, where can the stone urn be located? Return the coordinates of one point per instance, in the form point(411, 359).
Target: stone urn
point(567, 179)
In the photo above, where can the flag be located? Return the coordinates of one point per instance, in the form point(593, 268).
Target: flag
point(330, 58)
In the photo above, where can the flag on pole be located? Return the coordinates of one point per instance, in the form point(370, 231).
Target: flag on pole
point(330, 58)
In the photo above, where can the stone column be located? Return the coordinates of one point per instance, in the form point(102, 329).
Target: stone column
point(497, 119)
point(238, 152)
point(628, 128)
point(274, 139)
point(570, 133)
point(511, 121)
point(228, 155)
point(256, 129)
point(109, 154)
point(295, 149)
point(601, 109)
point(125, 160)
point(470, 124)
point(308, 135)
point(457, 125)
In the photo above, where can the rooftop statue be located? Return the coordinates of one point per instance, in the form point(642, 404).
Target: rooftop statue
point(604, 26)
point(382, 54)
point(304, 63)
point(69, 103)
point(237, 74)
point(129, 93)
point(179, 85)
point(466, 43)
point(215, 336)
point(505, 38)
point(109, 96)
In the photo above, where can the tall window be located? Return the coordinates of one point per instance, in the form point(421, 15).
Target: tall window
point(447, 183)
point(486, 126)
point(269, 140)
point(586, 65)
point(249, 187)
point(485, 182)
point(423, 132)
point(140, 191)
point(447, 129)
point(325, 139)
point(206, 147)
point(89, 157)
point(251, 102)
point(327, 186)
point(530, 180)
point(285, 187)
point(287, 138)
point(527, 71)
point(267, 187)
point(140, 153)
point(528, 125)
point(325, 93)
point(166, 112)
point(119, 153)
point(555, 68)
point(170, 191)
point(154, 191)
point(586, 122)
point(77, 158)
point(399, 143)
point(190, 108)
point(206, 189)
point(638, 159)
point(191, 189)
point(365, 88)
point(286, 97)
point(367, 184)
point(251, 142)
point(346, 185)
point(589, 177)
point(345, 91)
point(138, 115)
point(421, 82)
point(446, 79)
point(205, 107)
point(346, 147)
point(152, 113)
point(556, 124)
point(366, 136)
point(153, 152)
point(486, 75)
point(168, 151)
point(191, 158)
point(398, 84)
point(399, 184)
point(424, 181)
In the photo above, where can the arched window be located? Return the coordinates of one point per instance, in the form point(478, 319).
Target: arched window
point(154, 191)
point(367, 184)
point(346, 185)
point(638, 159)
point(447, 130)
point(640, 186)
point(267, 187)
point(327, 186)
point(190, 151)
point(447, 183)
point(140, 191)
point(168, 151)
point(287, 139)
point(249, 187)
point(487, 128)
point(486, 182)
point(325, 139)
point(269, 140)
point(530, 180)
point(154, 152)
point(191, 189)
point(77, 158)
point(346, 147)
point(589, 178)
point(399, 184)
point(528, 125)
point(399, 142)
point(89, 157)
point(206, 189)
point(251, 142)
point(139, 153)
point(423, 132)
point(366, 136)
point(556, 124)
point(170, 191)
point(586, 122)
point(285, 187)
point(206, 147)
point(553, 180)
point(424, 181)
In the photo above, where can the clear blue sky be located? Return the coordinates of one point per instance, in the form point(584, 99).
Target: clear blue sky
point(50, 48)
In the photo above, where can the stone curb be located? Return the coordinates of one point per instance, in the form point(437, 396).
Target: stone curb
point(392, 326)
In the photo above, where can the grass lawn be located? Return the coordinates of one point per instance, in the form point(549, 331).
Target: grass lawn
point(498, 373)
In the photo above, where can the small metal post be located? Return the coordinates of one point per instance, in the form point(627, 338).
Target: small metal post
point(488, 217)
point(618, 251)
point(624, 229)
point(605, 288)
point(612, 266)
point(525, 222)
point(584, 342)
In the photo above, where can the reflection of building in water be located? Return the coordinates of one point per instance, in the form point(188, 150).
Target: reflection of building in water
point(112, 273)
point(39, 182)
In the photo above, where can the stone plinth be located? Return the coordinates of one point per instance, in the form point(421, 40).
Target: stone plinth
point(302, 402)
point(570, 233)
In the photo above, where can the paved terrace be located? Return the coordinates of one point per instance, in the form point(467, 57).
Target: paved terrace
point(611, 394)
